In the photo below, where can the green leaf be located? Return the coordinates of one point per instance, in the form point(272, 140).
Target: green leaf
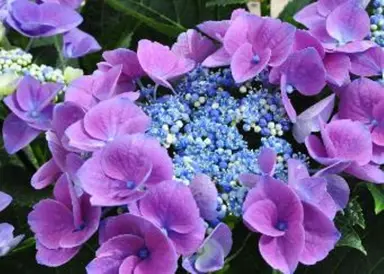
point(377, 192)
point(291, 9)
point(147, 15)
point(350, 238)
point(27, 243)
point(225, 2)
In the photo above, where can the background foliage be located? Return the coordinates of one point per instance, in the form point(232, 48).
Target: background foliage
point(121, 23)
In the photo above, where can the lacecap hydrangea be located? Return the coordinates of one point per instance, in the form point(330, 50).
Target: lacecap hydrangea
point(178, 140)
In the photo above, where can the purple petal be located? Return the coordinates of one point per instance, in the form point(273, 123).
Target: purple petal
point(356, 46)
point(77, 43)
point(205, 194)
point(121, 246)
point(358, 100)
point(46, 175)
point(7, 240)
point(5, 200)
point(76, 137)
point(212, 258)
point(348, 22)
point(262, 217)
point(50, 221)
point(129, 264)
point(267, 160)
point(283, 252)
point(337, 67)
point(64, 115)
point(305, 71)
point(297, 171)
point(104, 265)
point(378, 154)
point(304, 39)
point(54, 257)
point(249, 180)
point(128, 59)
point(172, 212)
point(17, 134)
point(311, 119)
point(243, 64)
point(321, 235)
point(338, 188)
point(236, 36)
point(368, 63)
point(219, 58)
point(80, 91)
point(223, 235)
point(160, 63)
point(309, 16)
point(291, 112)
point(192, 45)
point(370, 172)
point(215, 29)
point(115, 117)
point(281, 195)
point(42, 20)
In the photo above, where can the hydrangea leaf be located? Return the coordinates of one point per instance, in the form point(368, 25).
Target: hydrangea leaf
point(350, 238)
point(225, 2)
point(291, 9)
point(377, 192)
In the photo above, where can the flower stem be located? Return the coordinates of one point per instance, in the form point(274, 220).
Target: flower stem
point(29, 45)
point(237, 253)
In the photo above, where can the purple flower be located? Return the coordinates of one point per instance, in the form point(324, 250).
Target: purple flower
point(63, 161)
point(341, 26)
point(105, 122)
point(205, 194)
point(161, 64)
point(5, 200)
point(73, 4)
point(31, 107)
point(304, 71)
point(41, 20)
point(63, 224)
point(123, 171)
point(312, 118)
point(346, 141)
point(131, 68)
point(211, 254)
point(363, 100)
point(252, 43)
point(89, 90)
point(131, 244)
point(170, 206)
point(368, 63)
point(78, 43)
point(7, 240)
point(192, 45)
point(273, 209)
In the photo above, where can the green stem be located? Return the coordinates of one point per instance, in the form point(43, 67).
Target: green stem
point(23, 157)
point(29, 45)
point(58, 49)
point(237, 253)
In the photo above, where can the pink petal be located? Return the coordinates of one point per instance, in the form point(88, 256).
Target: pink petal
point(46, 175)
point(193, 45)
point(304, 39)
point(249, 180)
point(321, 235)
point(368, 63)
point(337, 67)
point(217, 59)
point(309, 16)
point(242, 65)
point(283, 253)
point(370, 172)
point(262, 217)
point(54, 257)
point(267, 160)
point(291, 112)
point(17, 134)
point(236, 35)
point(215, 29)
point(348, 22)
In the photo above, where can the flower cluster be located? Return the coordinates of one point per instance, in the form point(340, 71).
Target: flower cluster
point(377, 22)
point(210, 139)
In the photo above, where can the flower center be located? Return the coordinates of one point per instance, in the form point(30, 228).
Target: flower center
point(282, 226)
point(289, 89)
point(131, 184)
point(143, 253)
point(80, 227)
point(34, 114)
point(255, 59)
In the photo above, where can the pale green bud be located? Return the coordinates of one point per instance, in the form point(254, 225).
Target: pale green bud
point(8, 83)
point(71, 74)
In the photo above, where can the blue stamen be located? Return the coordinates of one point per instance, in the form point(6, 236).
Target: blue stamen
point(143, 253)
point(282, 226)
point(131, 184)
point(255, 59)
